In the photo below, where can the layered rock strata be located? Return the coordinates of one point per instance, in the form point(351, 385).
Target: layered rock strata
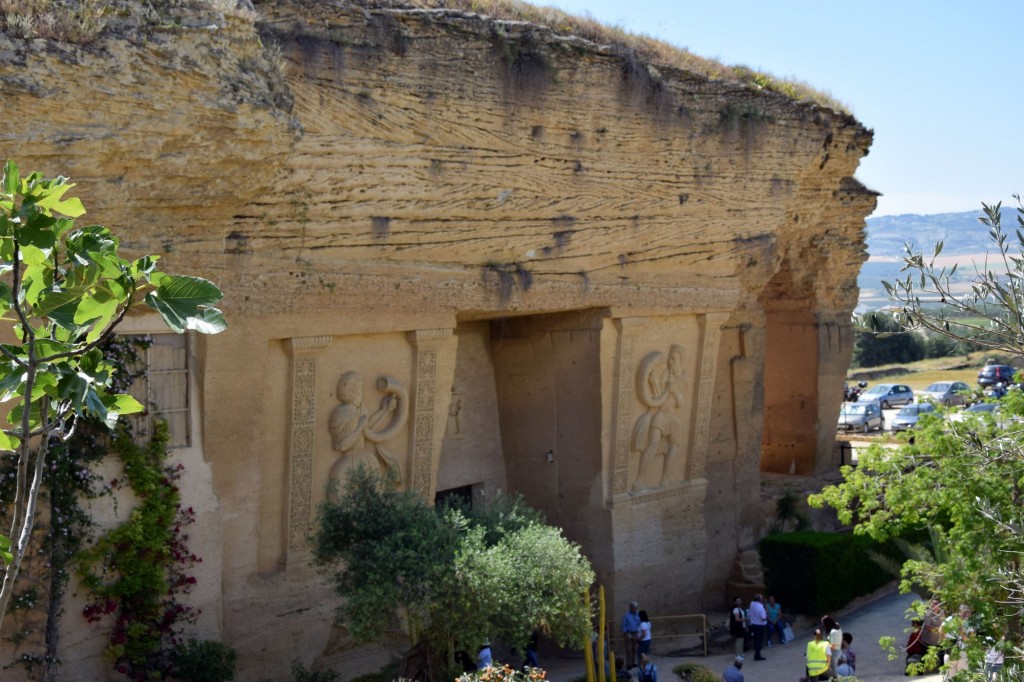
point(620, 289)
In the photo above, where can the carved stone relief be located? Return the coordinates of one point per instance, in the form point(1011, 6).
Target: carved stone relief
point(628, 329)
point(659, 435)
point(359, 437)
point(426, 343)
point(303, 351)
point(454, 429)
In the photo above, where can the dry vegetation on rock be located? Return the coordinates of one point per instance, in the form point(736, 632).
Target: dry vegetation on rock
point(82, 21)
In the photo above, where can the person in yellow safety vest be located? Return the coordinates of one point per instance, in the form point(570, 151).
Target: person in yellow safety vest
point(819, 658)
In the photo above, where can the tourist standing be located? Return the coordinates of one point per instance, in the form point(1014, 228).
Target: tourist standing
point(958, 631)
point(738, 624)
point(630, 632)
point(734, 673)
point(994, 658)
point(483, 657)
point(819, 658)
point(531, 651)
point(774, 611)
point(644, 635)
point(834, 637)
point(758, 625)
point(931, 631)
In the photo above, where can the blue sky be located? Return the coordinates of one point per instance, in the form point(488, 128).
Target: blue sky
point(937, 81)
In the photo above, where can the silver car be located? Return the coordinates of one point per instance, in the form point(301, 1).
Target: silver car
point(861, 417)
point(907, 417)
point(889, 395)
point(946, 393)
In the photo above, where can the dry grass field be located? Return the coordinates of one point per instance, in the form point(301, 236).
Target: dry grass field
point(920, 374)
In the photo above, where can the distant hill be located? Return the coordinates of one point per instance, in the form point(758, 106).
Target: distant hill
point(960, 233)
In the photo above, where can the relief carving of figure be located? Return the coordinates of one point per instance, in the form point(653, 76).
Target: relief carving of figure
point(454, 429)
point(360, 437)
point(658, 435)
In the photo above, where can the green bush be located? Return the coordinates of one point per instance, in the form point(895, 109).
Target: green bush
point(204, 661)
point(301, 673)
point(815, 572)
point(695, 672)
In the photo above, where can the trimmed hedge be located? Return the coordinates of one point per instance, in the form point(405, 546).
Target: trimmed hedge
point(814, 572)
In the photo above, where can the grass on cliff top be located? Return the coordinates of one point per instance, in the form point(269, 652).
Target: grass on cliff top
point(645, 48)
point(82, 21)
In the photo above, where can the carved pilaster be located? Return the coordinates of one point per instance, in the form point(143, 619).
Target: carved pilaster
point(624, 399)
point(303, 352)
point(711, 337)
point(425, 343)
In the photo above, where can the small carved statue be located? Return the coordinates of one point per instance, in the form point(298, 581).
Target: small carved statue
point(455, 416)
point(658, 435)
point(359, 437)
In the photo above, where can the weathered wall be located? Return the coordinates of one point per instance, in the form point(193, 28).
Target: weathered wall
point(474, 208)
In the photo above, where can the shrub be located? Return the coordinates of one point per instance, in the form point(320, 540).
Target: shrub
point(302, 674)
point(204, 661)
point(815, 572)
point(695, 672)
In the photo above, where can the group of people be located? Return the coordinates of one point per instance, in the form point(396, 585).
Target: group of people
point(636, 633)
point(936, 636)
point(759, 622)
point(830, 654)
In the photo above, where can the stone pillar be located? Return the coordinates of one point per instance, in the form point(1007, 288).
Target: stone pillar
point(659, 530)
point(711, 336)
point(434, 372)
point(835, 349)
point(303, 352)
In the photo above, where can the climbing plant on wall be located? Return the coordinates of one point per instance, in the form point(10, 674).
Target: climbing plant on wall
point(138, 572)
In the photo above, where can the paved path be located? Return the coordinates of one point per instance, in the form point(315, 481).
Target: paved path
point(884, 616)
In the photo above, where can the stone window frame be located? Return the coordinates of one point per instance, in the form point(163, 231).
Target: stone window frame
point(152, 326)
point(163, 374)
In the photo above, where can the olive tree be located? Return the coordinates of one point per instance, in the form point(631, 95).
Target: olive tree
point(452, 577)
point(955, 491)
point(63, 291)
point(988, 312)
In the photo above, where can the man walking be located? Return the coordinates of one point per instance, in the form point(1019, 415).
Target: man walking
point(758, 625)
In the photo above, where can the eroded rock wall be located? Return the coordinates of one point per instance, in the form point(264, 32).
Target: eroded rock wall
point(388, 196)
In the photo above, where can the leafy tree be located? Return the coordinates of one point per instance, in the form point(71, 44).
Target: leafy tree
point(884, 345)
point(63, 291)
point(455, 577)
point(960, 484)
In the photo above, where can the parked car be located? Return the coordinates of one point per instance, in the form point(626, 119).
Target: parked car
point(861, 417)
point(979, 409)
point(907, 417)
point(888, 395)
point(995, 374)
point(946, 393)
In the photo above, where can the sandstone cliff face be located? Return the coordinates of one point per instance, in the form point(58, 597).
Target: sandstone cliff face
point(412, 170)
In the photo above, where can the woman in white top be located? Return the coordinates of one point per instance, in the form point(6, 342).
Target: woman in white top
point(645, 634)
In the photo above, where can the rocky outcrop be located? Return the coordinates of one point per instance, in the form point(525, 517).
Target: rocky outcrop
point(520, 226)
